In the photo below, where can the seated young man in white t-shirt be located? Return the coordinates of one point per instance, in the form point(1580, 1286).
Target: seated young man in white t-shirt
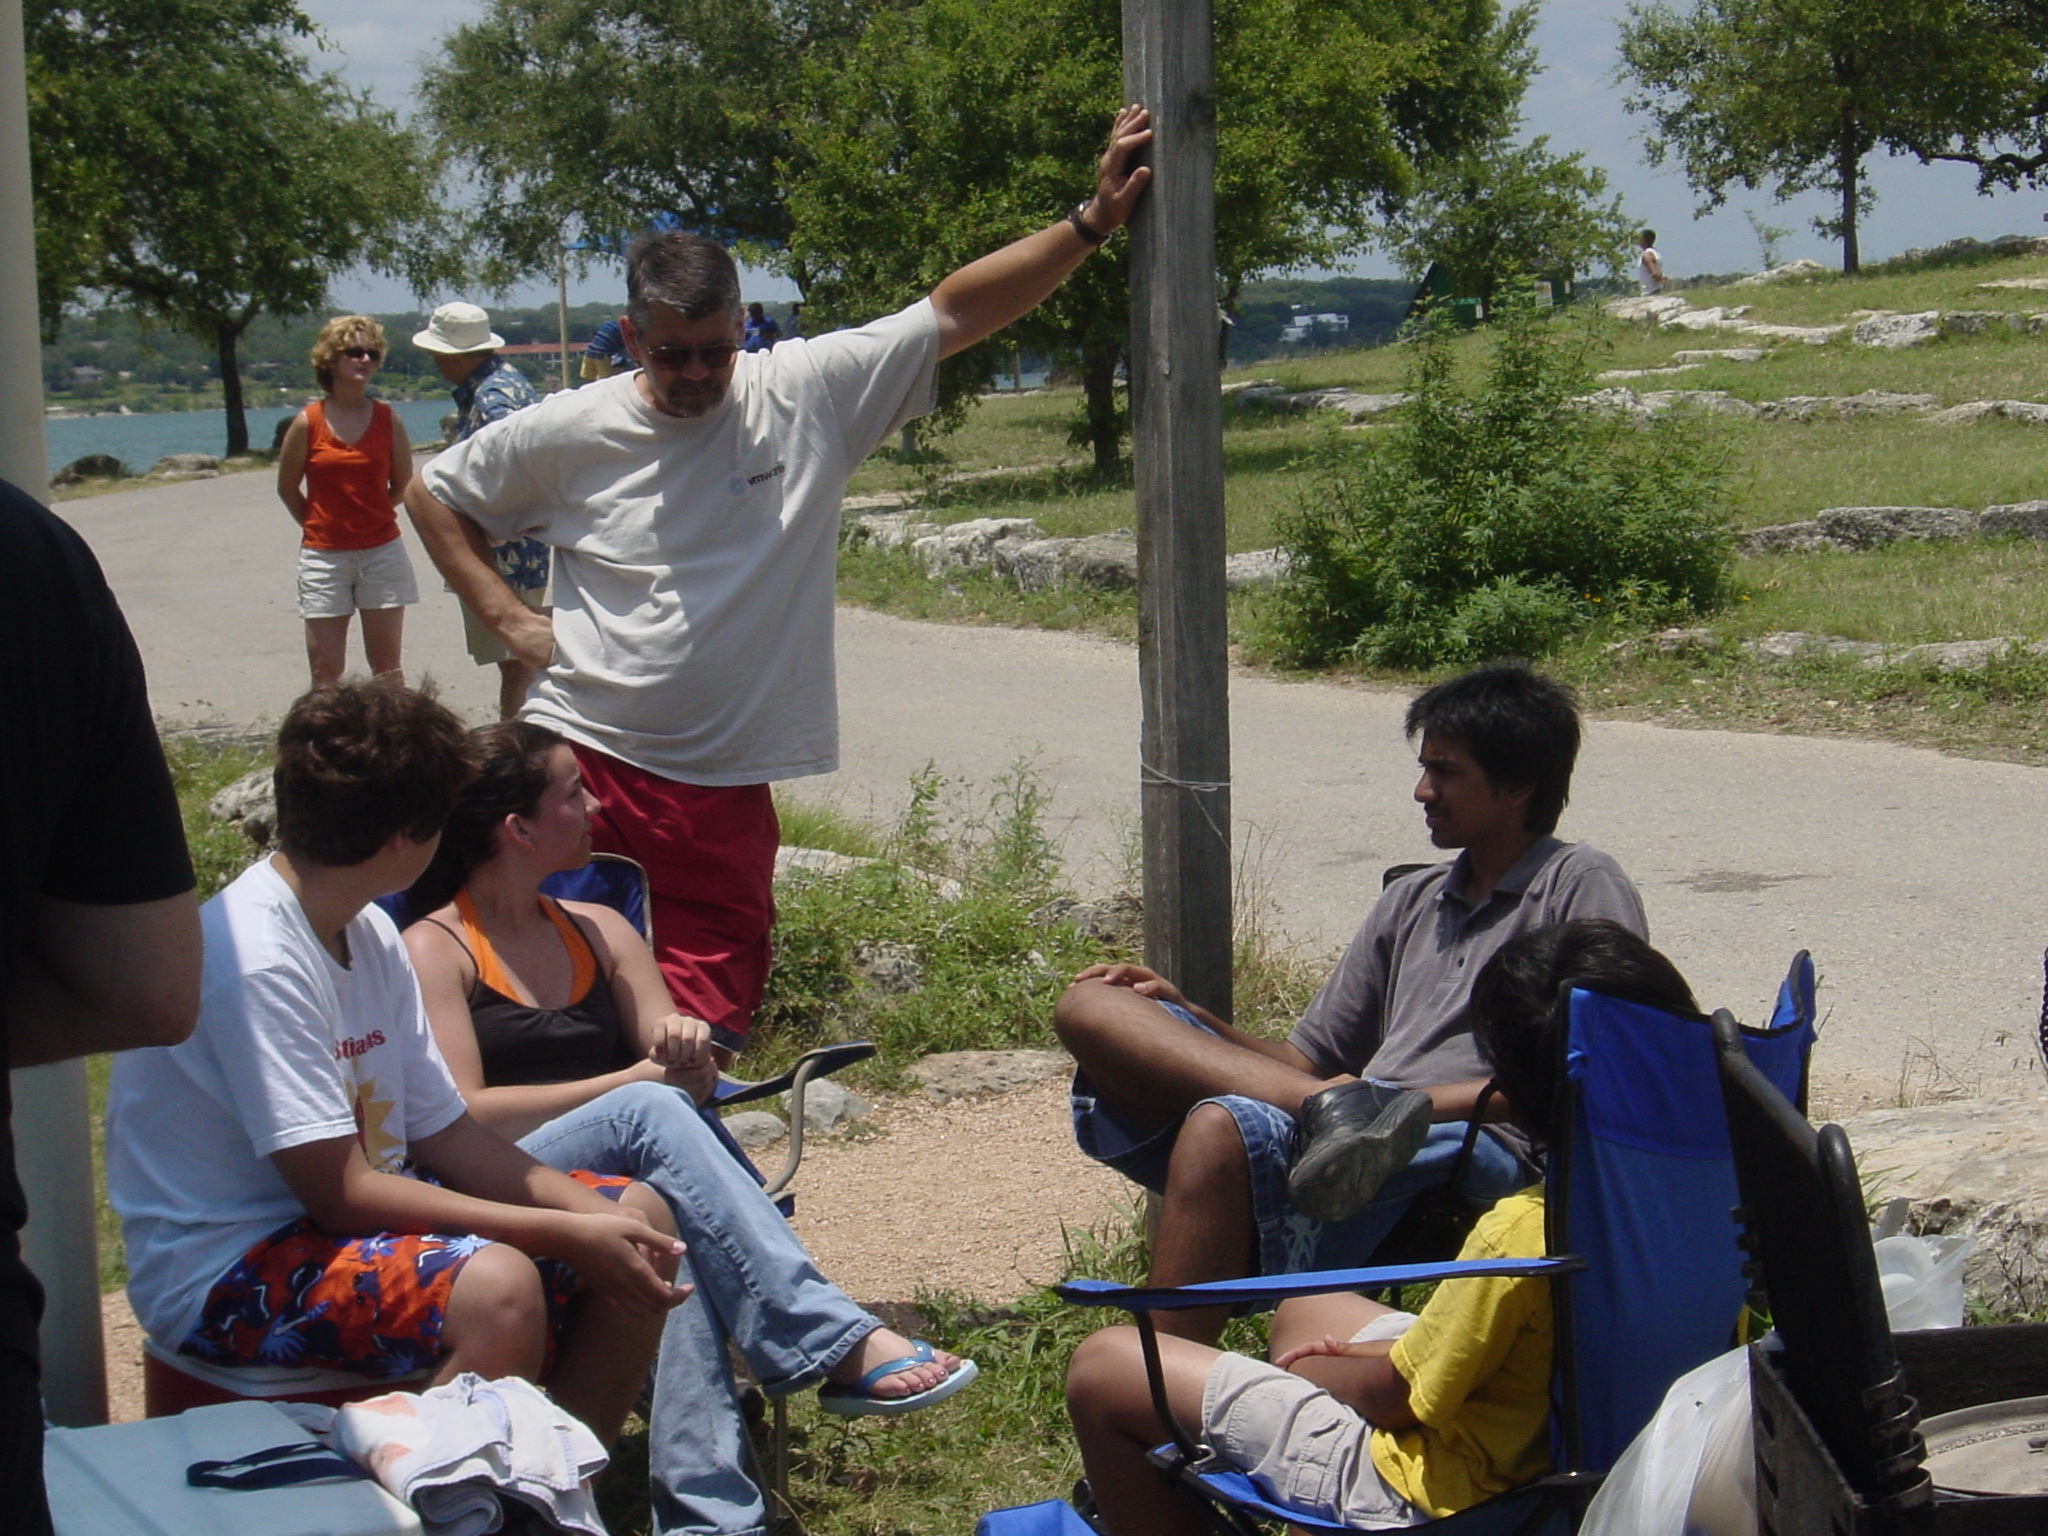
point(300, 1184)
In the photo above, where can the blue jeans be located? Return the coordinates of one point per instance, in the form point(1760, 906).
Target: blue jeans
point(755, 1286)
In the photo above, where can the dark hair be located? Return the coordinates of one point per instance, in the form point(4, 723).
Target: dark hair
point(511, 777)
point(359, 762)
point(687, 273)
point(755, 310)
point(1516, 1021)
point(1519, 726)
point(1648, 237)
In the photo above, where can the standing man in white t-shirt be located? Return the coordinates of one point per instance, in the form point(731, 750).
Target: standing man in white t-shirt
point(693, 507)
point(1649, 265)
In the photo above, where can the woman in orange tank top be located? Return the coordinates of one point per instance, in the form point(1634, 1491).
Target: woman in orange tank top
point(341, 469)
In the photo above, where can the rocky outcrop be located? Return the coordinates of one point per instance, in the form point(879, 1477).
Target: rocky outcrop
point(1017, 549)
point(1894, 331)
point(1872, 402)
point(91, 466)
point(1721, 355)
point(251, 804)
point(1970, 1168)
point(185, 466)
point(1801, 271)
point(1356, 404)
point(2030, 411)
point(1941, 655)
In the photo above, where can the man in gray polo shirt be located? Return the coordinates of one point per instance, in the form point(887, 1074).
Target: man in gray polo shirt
point(1207, 1115)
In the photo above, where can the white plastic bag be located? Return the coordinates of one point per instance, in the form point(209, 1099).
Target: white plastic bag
point(1923, 1280)
point(1691, 1471)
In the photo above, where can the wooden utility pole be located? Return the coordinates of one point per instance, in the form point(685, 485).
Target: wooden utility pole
point(1177, 441)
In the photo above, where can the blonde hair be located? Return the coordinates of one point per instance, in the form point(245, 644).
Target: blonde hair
point(337, 335)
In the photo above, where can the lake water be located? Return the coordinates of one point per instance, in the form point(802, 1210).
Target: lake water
point(139, 441)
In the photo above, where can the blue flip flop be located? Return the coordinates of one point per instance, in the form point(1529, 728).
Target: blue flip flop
point(858, 1398)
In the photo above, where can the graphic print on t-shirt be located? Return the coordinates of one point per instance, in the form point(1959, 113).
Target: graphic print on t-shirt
point(378, 1126)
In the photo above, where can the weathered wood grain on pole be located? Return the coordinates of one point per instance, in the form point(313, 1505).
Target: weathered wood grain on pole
point(1177, 431)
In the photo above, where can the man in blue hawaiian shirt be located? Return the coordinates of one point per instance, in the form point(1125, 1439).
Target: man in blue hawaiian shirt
point(487, 388)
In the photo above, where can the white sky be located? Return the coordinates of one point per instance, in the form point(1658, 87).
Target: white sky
point(378, 43)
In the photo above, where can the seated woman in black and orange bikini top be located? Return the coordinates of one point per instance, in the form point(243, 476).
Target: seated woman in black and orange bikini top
point(559, 1031)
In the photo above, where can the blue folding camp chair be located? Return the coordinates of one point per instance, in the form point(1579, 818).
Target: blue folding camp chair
point(1645, 1277)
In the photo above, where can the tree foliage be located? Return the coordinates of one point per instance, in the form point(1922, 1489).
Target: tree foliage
point(189, 162)
point(584, 119)
point(952, 128)
point(1506, 210)
point(1500, 518)
point(1795, 95)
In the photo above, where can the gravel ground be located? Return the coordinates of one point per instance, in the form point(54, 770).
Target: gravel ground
point(969, 1197)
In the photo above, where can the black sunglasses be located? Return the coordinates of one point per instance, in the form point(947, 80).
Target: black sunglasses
point(714, 354)
point(359, 353)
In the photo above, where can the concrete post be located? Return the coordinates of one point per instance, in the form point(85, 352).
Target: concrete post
point(53, 1146)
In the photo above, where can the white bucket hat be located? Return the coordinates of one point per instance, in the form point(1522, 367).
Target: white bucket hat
point(458, 328)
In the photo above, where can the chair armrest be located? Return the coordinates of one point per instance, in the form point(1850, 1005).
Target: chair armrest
point(827, 1058)
point(1102, 1293)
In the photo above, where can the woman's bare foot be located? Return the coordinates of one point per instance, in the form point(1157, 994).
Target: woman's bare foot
point(879, 1348)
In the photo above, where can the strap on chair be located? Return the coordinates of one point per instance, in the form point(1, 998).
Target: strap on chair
point(281, 1466)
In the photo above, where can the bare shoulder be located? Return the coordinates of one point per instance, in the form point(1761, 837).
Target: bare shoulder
point(606, 928)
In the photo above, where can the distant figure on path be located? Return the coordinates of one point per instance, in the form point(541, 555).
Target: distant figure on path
point(761, 330)
point(1649, 265)
point(694, 508)
point(342, 468)
point(489, 388)
point(605, 353)
point(99, 931)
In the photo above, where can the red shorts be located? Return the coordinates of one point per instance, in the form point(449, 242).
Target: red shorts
point(369, 1305)
point(709, 853)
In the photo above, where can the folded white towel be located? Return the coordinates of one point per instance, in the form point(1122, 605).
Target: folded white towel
point(456, 1452)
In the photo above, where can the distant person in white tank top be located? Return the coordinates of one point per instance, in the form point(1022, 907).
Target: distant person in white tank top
point(1649, 265)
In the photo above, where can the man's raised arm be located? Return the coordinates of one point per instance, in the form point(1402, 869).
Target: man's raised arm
point(986, 295)
point(461, 552)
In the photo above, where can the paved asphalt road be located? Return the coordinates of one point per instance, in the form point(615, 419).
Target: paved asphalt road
point(1914, 878)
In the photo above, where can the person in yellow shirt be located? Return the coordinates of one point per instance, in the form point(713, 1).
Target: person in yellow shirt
point(1368, 1416)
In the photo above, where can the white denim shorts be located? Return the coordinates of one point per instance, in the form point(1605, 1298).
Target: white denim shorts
point(1301, 1446)
point(485, 648)
point(334, 583)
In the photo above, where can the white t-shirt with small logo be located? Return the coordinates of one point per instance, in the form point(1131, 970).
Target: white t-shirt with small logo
point(694, 559)
point(291, 1048)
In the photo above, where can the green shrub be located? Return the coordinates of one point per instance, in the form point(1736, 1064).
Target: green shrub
point(1503, 517)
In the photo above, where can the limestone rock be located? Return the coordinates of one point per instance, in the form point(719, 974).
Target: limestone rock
point(1972, 1168)
point(888, 530)
point(451, 426)
point(1719, 317)
point(890, 968)
point(1894, 331)
point(2030, 284)
point(1255, 568)
point(829, 1107)
point(250, 803)
point(1868, 527)
point(1800, 271)
point(185, 464)
point(1649, 306)
point(1809, 335)
point(876, 501)
point(2031, 411)
point(1872, 402)
point(1787, 538)
point(1107, 561)
point(92, 466)
point(1615, 375)
point(1722, 355)
point(1232, 390)
point(755, 1128)
point(1952, 655)
point(1980, 322)
point(954, 1075)
point(968, 545)
point(1786, 644)
point(1715, 402)
point(1114, 920)
point(1363, 407)
point(2027, 518)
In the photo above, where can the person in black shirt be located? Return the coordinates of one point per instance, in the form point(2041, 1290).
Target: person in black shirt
point(99, 928)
